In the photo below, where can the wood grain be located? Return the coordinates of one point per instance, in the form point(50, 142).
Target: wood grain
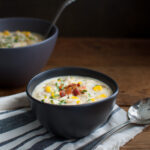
point(125, 60)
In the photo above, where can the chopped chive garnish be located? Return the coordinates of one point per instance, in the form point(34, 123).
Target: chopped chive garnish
point(62, 82)
point(52, 102)
point(89, 94)
point(89, 100)
point(31, 38)
point(58, 79)
point(83, 91)
point(56, 95)
point(57, 85)
point(42, 100)
point(62, 102)
point(16, 40)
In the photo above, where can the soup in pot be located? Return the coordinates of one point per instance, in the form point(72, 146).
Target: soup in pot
point(19, 39)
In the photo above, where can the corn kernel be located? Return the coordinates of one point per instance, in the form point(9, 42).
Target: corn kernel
point(78, 101)
point(101, 96)
point(47, 89)
point(97, 88)
point(80, 82)
point(93, 99)
point(45, 96)
point(59, 80)
point(74, 97)
point(6, 33)
point(53, 94)
point(27, 33)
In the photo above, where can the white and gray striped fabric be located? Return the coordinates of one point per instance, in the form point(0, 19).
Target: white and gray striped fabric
point(19, 130)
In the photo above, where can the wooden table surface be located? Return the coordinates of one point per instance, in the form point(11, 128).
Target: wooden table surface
point(125, 60)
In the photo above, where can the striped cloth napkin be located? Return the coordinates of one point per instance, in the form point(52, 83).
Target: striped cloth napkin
point(19, 129)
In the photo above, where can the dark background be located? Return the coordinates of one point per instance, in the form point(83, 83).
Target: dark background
point(102, 18)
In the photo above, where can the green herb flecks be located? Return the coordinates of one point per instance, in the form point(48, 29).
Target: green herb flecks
point(89, 100)
point(31, 38)
point(62, 87)
point(42, 100)
point(83, 91)
point(89, 94)
point(58, 79)
point(51, 97)
point(56, 95)
point(62, 102)
point(52, 101)
point(57, 85)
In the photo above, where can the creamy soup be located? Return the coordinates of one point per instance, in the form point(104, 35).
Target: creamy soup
point(18, 39)
point(71, 90)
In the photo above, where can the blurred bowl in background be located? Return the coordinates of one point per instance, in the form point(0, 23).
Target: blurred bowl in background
point(18, 65)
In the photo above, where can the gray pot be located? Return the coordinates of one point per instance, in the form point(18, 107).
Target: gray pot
point(18, 65)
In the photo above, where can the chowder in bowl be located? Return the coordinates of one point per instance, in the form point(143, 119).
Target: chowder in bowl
point(9, 39)
point(71, 90)
point(73, 120)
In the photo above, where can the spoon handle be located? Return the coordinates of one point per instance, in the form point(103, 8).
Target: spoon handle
point(93, 144)
point(60, 10)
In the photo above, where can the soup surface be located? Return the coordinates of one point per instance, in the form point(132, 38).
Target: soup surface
point(18, 39)
point(71, 90)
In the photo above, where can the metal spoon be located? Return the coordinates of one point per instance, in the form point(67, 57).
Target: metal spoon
point(138, 114)
point(60, 10)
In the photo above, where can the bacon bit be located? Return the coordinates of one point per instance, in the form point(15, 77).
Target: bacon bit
point(76, 92)
point(71, 85)
point(73, 88)
point(78, 84)
point(60, 87)
point(62, 93)
point(82, 87)
point(68, 90)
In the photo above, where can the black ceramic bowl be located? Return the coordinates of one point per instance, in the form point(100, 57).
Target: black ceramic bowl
point(72, 121)
point(18, 65)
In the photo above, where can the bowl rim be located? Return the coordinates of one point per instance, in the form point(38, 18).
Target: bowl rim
point(115, 93)
point(36, 44)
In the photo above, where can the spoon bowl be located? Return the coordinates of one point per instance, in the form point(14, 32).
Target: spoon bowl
point(139, 113)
